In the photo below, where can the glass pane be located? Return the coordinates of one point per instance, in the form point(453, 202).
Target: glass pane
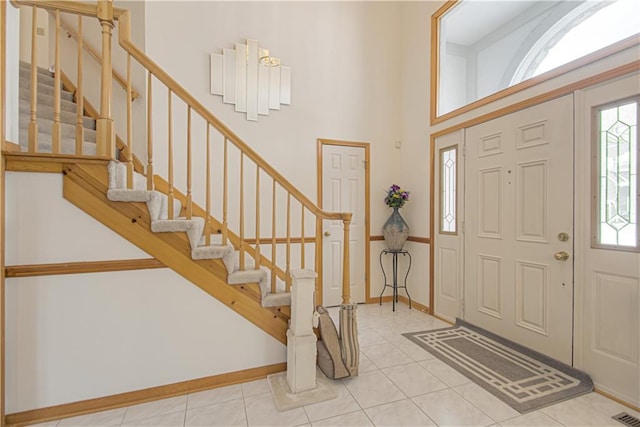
point(618, 164)
point(487, 46)
point(448, 195)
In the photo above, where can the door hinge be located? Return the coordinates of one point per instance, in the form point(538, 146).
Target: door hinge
point(364, 163)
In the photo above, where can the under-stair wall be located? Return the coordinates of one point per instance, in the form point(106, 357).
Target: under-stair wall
point(76, 337)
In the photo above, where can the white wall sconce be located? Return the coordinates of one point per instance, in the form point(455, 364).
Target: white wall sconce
point(250, 79)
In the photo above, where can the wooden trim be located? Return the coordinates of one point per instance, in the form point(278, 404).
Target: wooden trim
point(556, 72)
point(367, 208)
point(401, 299)
point(526, 103)
point(141, 396)
point(3, 87)
point(44, 162)
point(616, 399)
point(434, 82)
point(280, 240)
point(81, 267)
point(10, 147)
point(443, 319)
point(417, 239)
point(426, 240)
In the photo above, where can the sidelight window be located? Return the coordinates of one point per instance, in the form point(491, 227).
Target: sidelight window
point(615, 192)
point(448, 192)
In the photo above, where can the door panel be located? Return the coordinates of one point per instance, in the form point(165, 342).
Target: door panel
point(343, 178)
point(608, 280)
point(518, 194)
point(448, 240)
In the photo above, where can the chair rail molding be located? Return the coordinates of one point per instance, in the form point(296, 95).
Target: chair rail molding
point(248, 77)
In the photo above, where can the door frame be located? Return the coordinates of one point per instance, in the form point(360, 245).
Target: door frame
point(521, 105)
point(321, 142)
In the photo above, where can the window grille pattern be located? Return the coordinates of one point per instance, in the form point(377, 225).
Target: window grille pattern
point(448, 193)
point(617, 141)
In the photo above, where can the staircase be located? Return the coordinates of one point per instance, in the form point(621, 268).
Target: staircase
point(261, 216)
point(156, 202)
point(45, 115)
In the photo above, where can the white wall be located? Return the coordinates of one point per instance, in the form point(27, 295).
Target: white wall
point(77, 337)
point(346, 71)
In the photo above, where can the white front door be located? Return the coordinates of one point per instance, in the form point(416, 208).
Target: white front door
point(343, 184)
point(518, 219)
point(608, 269)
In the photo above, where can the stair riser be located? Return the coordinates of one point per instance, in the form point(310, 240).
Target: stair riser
point(41, 71)
point(25, 78)
point(46, 112)
point(43, 89)
point(47, 101)
point(68, 145)
point(67, 131)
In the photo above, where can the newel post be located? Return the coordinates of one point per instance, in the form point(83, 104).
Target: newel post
point(104, 125)
point(346, 280)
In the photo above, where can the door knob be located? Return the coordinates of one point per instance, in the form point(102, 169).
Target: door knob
point(326, 233)
point(561, 256)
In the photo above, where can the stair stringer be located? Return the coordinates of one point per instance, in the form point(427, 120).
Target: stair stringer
point(86, 186)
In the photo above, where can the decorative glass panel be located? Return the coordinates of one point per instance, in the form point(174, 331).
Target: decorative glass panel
point(448, 192)
point(617, 141)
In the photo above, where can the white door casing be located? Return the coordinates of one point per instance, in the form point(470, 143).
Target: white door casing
point(607, 280)
point(343, 184)
point(518, 198)
point(448, 245)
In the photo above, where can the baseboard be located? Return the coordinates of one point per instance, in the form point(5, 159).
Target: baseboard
point(401, 299)
point(616, 399)
point(140, 396)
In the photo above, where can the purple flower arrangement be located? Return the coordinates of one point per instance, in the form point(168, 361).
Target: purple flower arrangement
point(396, 197)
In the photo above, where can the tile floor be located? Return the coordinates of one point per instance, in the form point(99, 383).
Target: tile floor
point(399, 384)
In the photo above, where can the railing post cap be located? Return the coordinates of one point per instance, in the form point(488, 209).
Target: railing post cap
point(303, 274)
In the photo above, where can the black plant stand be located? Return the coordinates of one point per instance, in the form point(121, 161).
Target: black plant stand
point(395, 285)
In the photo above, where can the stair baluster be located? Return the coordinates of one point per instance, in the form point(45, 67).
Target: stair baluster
point(33, 122)
point(56, 131)
point(170, 151)
point(78, 96)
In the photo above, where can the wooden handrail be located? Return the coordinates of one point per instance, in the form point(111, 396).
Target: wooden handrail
point(122, 82)
point(66, 6)
point(124, 38)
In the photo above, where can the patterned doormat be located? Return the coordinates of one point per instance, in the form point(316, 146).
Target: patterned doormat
point(524, 379)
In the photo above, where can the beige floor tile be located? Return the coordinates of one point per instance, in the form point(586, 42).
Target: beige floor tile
point(261, 411)
point(445, 373)
point(354, 419)
point(105, 418)
point(532, 419)
point(386, 355)
point(166, 420)
point(448, 408)
point(401, 413)
point(216, 395)
point(158, 407)
point(575, 413)
point(230, 413)
point(342, 404)
point(373, 388)
point(413, 379)
point(255, 387)
point(495, 408)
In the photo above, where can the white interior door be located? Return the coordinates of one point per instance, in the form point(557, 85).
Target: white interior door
point(608, 269)
point(343, 190)
point(518, 217)
point(449, 240)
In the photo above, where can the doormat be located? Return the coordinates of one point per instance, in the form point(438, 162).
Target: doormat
point(522, 378)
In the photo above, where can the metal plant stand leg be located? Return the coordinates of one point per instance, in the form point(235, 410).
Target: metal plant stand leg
point(394, 285)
